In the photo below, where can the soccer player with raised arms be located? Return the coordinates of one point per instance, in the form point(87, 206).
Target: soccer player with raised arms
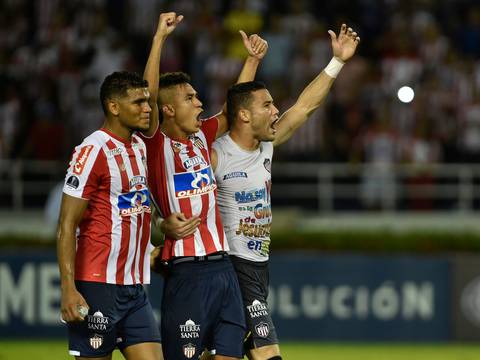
point(202, 305)
point(242, 163)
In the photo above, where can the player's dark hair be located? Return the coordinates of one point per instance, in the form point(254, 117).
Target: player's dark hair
point(117, 84)
point(173, 78)
point(240, 96)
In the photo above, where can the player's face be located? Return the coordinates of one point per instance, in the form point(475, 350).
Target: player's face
point(134, 110)
point(264, 116)
point(188, 108)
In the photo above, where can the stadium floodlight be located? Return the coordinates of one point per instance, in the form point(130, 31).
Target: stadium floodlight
point(405, 94)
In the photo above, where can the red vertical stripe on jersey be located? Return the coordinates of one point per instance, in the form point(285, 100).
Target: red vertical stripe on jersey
point(98, 260)
point(123, 253)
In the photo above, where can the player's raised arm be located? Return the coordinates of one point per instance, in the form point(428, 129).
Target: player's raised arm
point(71, 213)
point(312, 96)
point(257, 49)
point(167, 22)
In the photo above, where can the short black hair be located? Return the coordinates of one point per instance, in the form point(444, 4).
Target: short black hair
point(117, 84)
point(173, 78)
point(240, 95)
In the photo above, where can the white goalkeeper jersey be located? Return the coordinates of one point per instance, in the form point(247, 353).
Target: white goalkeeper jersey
point(243, 196)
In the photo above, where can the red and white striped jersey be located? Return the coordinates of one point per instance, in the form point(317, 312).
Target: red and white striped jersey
point(181, 180)
point(113, 237)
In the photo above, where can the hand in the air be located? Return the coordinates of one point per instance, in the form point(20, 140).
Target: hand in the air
point(255, 45)
point(345, 44)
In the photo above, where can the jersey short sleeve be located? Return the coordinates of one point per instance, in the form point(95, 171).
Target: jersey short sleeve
point(85, 171)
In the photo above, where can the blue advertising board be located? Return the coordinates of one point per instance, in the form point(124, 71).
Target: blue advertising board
point(312, 297)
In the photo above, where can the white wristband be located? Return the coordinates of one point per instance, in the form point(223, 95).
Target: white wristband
point(334, 67)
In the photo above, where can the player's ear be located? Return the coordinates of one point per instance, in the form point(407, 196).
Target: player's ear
point(168, 110)
point(244, 115)
point(113, 107)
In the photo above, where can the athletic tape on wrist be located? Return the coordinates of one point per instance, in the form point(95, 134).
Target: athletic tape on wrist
point(334, 67)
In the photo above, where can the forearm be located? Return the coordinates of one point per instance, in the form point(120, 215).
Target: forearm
point(66, 247)
point(315, 93)
point(249, 69)
point(152, 68)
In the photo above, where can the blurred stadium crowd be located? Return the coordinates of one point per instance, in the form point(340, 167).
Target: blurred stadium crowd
point(55, 53)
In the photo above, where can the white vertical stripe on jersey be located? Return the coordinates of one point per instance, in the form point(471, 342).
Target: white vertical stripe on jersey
point(116, 219)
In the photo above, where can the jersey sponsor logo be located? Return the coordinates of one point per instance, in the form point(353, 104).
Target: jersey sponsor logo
point(133, 203)
point(73, 182)
point(189, 330)
point(195, 161)
point(268, 165)
point(257, 309)
point(97, 321)
point(262, 212)
point(113, 152)
point(189, 350)
point(242, 197)
point(137, 180)
point(96, 341)
point(194, 183)
point(82, 159)
point(262, 329)
point(248, 227)
point(235, 174)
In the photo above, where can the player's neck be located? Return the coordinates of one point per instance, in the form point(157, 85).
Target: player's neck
point(245, 141)
point(173, 132)
point(117, 129)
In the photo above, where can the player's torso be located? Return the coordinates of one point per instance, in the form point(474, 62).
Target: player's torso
point(114, 234)
point(244, 184)
point(190, 188)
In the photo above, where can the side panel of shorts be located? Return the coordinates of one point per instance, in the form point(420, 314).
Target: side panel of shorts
point(119, 316)
point(202, 308)
point(253, 278)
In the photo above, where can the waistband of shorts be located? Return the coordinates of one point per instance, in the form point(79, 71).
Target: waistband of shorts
point(192, 259)
point(239, 260)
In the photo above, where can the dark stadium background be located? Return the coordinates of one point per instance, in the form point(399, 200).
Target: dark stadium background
point(368, 184)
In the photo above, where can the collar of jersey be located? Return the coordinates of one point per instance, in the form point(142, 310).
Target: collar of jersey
point(116, 137)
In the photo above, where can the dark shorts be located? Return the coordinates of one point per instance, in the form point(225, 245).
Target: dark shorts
point(202, 308)
point(119, 316)
point(254, 279)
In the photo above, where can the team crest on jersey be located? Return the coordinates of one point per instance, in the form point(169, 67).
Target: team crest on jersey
point(194, 183)
point(177, 147)
point(135, 202)
point(268, 165)
point(82, 159)
point(262, 329)
point(189, 350)
point(197, 142)
point(96, 341)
